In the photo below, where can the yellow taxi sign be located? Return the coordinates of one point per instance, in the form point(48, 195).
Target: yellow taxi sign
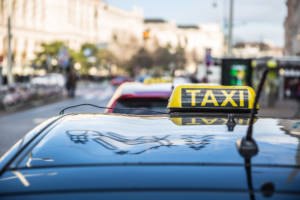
point(211, 98)
point(157, 80)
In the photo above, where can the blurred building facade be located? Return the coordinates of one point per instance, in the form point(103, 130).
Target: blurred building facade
point(35, 22)
point(73, 21)
point(80, 21)
point(121, 31)
point(195, 39)
point(256, 50)
point(160, 33)
point(292, 28)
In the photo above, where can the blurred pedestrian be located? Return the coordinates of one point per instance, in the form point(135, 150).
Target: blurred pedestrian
point(71, 79)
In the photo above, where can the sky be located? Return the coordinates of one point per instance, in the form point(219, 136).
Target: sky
point(254, 20)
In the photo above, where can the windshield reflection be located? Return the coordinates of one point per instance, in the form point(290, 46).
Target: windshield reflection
point(121, 144)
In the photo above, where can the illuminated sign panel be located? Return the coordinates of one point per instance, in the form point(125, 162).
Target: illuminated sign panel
point(214, 98)
point(191, 97)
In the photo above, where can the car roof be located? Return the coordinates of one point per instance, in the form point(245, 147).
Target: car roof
point(96, 139)
point(86, 155)
point(136, 88)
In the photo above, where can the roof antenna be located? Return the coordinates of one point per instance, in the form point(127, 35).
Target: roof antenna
point(247, 146)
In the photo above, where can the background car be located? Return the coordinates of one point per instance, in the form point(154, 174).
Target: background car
point(152, 97)
point(118, 80)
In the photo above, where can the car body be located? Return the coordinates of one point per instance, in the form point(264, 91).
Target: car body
point(11, 96)
point(142, 78)
point(3, 95)
point(114, 156)
point(118, 80)
point(180, 80)
point(20, 95)
point(152, 97)
point(51, 79)
point(183, 154)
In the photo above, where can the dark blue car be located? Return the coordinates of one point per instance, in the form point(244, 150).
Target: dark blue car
point(187, 154)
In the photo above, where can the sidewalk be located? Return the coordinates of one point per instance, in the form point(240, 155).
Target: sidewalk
point(282, 109)
point(83, 89)
point(30, 105)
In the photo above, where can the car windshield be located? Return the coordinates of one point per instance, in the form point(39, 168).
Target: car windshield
point(141, 106)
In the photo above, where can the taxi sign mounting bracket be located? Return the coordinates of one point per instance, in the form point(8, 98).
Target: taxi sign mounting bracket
point(230, 122)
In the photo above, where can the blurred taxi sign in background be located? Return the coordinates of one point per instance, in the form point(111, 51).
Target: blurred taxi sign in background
point(190, 98)
point(158, 80)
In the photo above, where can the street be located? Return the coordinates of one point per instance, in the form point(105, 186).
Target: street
point(14, 126)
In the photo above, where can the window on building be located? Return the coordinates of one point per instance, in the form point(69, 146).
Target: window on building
point(13, 8)
point(34, 13)
point(2, 16)
point(43, 11)
point(24, 7)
